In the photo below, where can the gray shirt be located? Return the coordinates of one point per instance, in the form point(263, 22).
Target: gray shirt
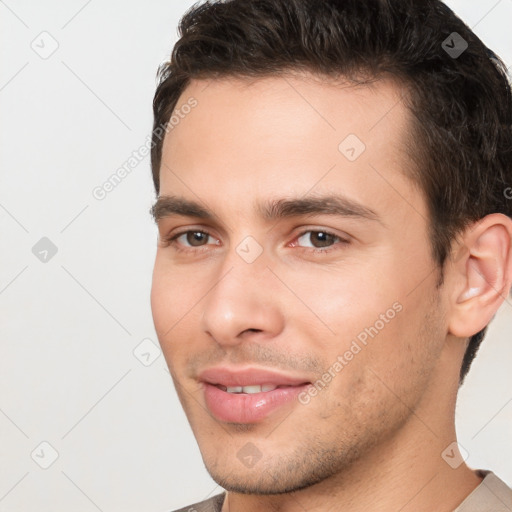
point(492, 495)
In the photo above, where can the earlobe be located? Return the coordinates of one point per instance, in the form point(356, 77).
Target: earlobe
point(484, 275)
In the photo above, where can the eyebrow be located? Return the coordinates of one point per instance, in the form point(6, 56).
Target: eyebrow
point(335, 205)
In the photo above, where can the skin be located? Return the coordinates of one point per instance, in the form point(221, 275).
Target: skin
point(375, 434)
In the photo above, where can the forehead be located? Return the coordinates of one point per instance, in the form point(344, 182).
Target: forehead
point(289, 134)
point(325, 103)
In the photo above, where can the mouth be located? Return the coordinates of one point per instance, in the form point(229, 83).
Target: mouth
point(250, 395)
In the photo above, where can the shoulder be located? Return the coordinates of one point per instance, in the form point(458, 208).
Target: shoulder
point(492, 495)
point(213, 504)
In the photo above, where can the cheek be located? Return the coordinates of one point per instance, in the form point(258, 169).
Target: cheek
point(374, 324)
point(171, 308)
point(161, 302)
point(173, 296)
point(346, 303)
point(395, 364)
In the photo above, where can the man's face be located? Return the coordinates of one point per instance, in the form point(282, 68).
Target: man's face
point(337, 308)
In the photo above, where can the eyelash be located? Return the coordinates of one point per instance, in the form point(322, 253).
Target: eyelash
point(171, 240)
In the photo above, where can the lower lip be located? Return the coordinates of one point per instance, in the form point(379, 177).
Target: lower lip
point(247, 408)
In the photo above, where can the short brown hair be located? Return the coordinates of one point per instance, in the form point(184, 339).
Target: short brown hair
point(460, 101)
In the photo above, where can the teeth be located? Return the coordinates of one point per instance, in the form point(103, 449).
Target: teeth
point(251, 389)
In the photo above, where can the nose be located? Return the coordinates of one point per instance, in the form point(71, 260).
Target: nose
point(243, 300)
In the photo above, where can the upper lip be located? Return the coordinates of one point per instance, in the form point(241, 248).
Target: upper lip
point(230, 377)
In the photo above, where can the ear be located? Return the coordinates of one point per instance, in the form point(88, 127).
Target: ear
point(482, 274)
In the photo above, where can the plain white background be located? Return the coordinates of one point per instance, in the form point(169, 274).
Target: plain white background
point(71, 326)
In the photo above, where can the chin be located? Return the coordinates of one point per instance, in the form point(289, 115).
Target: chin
point(276, 475)
point(259, 484)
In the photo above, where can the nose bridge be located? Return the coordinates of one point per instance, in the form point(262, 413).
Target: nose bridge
point(239, 299)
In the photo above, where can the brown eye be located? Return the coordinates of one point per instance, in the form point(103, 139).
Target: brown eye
point(317, 239)
point(196, 238)
point(190, 239)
